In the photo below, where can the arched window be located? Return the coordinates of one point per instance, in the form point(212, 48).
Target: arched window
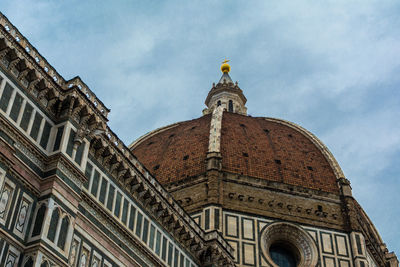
point(219, 103)
point(44, 264)
point(29, 262)
point(37, 227)
point(282, 256)
point(230, 108)
point(53, 225)
point(63, 233)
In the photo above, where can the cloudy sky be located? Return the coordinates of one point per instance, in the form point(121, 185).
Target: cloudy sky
point(331, 66)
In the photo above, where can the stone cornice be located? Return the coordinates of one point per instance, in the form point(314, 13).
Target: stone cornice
point(30, 53)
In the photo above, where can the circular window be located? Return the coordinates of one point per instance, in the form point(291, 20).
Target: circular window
point(288, 245)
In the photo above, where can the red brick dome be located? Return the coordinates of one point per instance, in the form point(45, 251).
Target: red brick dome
point(258, 147)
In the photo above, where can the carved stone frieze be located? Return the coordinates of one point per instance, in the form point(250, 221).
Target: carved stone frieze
point(31, 156)
point(69, 174)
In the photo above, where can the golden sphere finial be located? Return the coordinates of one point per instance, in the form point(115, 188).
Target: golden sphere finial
point(225, 68)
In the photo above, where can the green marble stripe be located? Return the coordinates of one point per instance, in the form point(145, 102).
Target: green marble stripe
point(68, 181)
point(30, 164)
point(44, 175)
point(7, 138)
point(111, 235)
point(52, 248)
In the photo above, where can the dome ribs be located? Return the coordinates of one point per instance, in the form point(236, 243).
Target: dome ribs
point(178, 152)
point(263, 148)
point(275, 152)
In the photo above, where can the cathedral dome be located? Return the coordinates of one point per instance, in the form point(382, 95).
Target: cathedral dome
point(268, 185)
point(225, 138)
point(258, 147)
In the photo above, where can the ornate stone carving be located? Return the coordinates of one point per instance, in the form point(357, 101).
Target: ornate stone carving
point(27, 152)
point(69, 174)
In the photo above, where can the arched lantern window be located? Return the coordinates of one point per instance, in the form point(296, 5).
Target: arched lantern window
point(230, 107)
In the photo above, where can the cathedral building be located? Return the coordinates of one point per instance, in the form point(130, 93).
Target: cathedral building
point(226, 189)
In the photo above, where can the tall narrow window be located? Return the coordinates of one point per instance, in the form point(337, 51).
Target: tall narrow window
point(158, 243)
point(164, 249)
point(139, 224)
point(358, 242)
point(219, 103)
point(110, 199)
point(16, 107)
point(216, 219)
point(176, 257)
point(125, 211)
point(70, 145)
point(207, 219)
point(103, 190)
point(88, 174)
point(182, 261)
point(36, 126)
point(151, 240)
point(5, 98)
point(170, 249)
point(59, 135)
point(26, 117)
point(53, 225)
point(117, 208)
point(95, 183)
point(63, 233)
point(132, 218)
point(145, 230)
point(45, 135)
point(230, 108)
point(79, 153)
point(37, 227)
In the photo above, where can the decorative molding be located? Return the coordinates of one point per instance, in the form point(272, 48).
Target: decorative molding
point(69, 174)
point(27, 152)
